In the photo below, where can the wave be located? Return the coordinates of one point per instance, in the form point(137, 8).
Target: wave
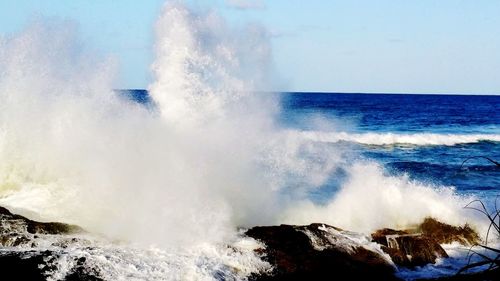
point(176, 173)
point(418, 139)
point(371, 200)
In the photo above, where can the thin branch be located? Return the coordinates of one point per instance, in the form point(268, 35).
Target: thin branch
point(483, 157)
point(472, 265)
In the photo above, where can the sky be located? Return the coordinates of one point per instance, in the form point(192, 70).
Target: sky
point(390, 46)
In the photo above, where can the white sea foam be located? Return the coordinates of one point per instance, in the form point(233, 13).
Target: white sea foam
point(233, 260)
point(371, 200)
point(398, 138)
point(345, 241)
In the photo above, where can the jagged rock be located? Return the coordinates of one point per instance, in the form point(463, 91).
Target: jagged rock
point(319, 252)
point(35, 266)
point(312, 252)
point(16, 221)
point(444, 233)
point(16, 230)
point(380, 235)
point(421, 245)
point(25, 266)
point(27, 263)
point(83, 271)
point(408, 249)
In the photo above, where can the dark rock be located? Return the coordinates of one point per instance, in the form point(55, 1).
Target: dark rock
point(408, 249)
point(25, 266)
point(16, 230)
point(444, 233)
point(35, 266)
point(83, 271)
point(318, 252)
point(30, 264)
point(413, 249)
point(421, 245)
point(380, 236)
point(35, 227)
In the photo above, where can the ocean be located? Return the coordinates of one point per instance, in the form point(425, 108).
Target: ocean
point(427, 137)
point(443, 140)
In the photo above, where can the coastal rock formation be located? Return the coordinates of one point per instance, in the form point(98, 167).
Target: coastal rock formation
point(444, 233)
point(16, 230)
point(421, 245)
point(408, 249)
point(34, 266)
point(21, 257)
point(17, 223)
point(320, 252)
point(31, 250)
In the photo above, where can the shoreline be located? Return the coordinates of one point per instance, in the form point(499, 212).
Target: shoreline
point(293, 252)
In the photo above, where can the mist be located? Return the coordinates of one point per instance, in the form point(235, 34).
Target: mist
point(206, 158)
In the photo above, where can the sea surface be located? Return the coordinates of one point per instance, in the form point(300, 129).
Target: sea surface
point(442, 140)
point(427, 137)
point(437, 139)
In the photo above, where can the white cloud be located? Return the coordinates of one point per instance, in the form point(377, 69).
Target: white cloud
point(245, 4)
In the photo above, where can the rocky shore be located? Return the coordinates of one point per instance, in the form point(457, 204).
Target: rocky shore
point(324, 252)
point(308, 252)
point(18, 234)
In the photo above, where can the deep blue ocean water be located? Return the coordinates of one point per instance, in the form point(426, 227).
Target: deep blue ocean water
point(400, 112)
point(445, 119)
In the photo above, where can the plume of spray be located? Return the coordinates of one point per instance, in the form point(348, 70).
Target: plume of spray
point(204, 70)
point(370, 200)
point(207, 159)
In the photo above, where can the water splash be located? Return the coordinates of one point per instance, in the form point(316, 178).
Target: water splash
point(205, 160)
point(398, 138)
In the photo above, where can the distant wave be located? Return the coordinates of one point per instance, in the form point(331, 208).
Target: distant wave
point(402, 139)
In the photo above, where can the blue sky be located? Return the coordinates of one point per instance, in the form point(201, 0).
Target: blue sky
point(412, 46)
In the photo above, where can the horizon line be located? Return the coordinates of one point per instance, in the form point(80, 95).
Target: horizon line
point(353, 93)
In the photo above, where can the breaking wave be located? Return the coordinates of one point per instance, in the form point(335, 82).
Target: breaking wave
point(399, 138)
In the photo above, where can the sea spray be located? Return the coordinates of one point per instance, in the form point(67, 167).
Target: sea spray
point(206, 159)
point(371, 200)
point(206, 70)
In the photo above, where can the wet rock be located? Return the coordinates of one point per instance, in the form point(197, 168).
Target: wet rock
point(319, 252)
point(15, 222)
point(23, 266)
point(444, 233)
point(409, 249)
point(20, 260)
point(37, 265)
point(16, 230)
point(380, 236)
point(421, 245)
point(83, 271)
